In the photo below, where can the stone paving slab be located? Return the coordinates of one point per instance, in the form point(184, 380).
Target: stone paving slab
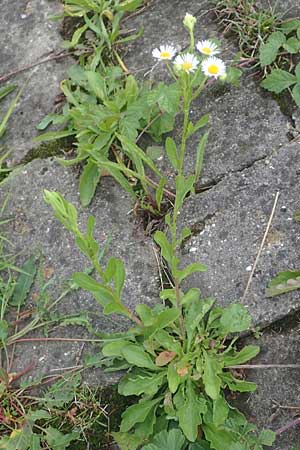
point(229, 222)
point(273, 405)
point(246, 123)
point(34, 228)
point(28, 35)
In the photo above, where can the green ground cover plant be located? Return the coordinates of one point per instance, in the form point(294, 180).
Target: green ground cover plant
point(266, 42)
point(177, 355)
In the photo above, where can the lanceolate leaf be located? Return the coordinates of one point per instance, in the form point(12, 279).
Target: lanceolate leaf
point(24, 282)
point(137, 413)
point(89, 180)
point(247, 353)
point(135, 355)
point(138, 384)
point(284, 282)
point(190, 414)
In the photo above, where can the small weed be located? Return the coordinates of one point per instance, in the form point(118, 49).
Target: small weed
point(178, 356)
point(266, 42)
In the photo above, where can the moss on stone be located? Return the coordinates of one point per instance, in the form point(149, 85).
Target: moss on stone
point(47, 150)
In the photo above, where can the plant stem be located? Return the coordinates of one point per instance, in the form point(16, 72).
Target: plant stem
point(179, 306)
point(288, 426)
point(184, 135)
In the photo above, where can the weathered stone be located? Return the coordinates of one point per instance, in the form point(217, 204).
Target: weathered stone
point(229, 222)
point(29, 36)
point(284, 8)
point(34, 229)
point(274, 404)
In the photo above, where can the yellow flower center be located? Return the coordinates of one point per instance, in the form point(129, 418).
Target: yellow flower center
point(187, 66)
point(213, 69)
point(165, 55)
point(206, 50)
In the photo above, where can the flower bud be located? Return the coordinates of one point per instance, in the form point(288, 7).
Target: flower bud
point(189, 22)
point(223, 77)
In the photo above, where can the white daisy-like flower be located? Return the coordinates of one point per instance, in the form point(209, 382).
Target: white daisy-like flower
point(187, 62)
point(164, 52)
point(207, 48)
point(213, 67)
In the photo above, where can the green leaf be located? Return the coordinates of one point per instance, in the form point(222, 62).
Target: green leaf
point(267, 437)
point(296, 94)
point(247, 353)
point(200, 154)
point(173, 378)
point(190, 414)
point(195, 311)
point(75, 38)
point(235, 318)
point(114, 348)
point(4, 327)
point(192, 296)
point(199, 124)
point(219, 438)
point(162, 320)
point(88, 182)
point(220, 411)
point(167, 440)
point(278, 81)
point(7, 90)
point(171, 150)
point(53, 135)
point(129, 5)
point(134, 151)
point(64, 211)
point(165, 246)
point(154, 151)
point(58, 440)
point(211, 379)
point(127, 441)
point(183, 188)
point(38, 414)
point(297, 72)
point(292, 45)
point(138, 384)
point(233, 76)
point(237, 385)
point(268, 52)
point(284, 282)
point(160, 192)
point(137, 413)
point(167, 97)
point(131, 89)
point(135, 355)
point(97, 84)
point(24, 282)
point(202, 445)
point(189, 270)
point(290, 25)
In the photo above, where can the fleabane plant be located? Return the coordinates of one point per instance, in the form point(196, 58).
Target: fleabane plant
point(178, 357)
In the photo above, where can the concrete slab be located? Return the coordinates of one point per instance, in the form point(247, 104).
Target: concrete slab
point(229, 222)
point(28, 36)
